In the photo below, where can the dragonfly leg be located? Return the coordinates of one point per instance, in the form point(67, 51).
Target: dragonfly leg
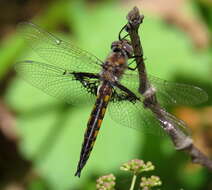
point(123, 28)
point(132, 69)
point(134, 57)
point(130, 95)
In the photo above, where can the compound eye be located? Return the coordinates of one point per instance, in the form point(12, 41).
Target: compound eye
point(114, 45)
point(115, 49)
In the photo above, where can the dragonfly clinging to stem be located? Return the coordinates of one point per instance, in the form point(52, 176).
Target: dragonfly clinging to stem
point(110, 84)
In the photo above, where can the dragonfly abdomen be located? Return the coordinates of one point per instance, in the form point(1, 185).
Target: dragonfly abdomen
point(94, 125)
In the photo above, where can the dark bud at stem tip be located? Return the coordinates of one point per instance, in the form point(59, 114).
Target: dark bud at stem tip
point(134, 18)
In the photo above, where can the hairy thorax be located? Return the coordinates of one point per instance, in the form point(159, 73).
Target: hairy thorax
point(114, 67)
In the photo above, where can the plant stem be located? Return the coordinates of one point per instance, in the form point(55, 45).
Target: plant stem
point(133, 182)
point(180, 140)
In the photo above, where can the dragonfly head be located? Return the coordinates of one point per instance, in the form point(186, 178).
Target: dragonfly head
point(122, 46)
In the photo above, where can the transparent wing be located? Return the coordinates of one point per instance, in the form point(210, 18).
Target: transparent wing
point(178, 93)
point(56, 81)
point(135, 116)
point(58, 52)
point(132, 113)
point(168, 92)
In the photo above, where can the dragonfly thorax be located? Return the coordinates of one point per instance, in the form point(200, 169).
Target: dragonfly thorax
point(114, 67)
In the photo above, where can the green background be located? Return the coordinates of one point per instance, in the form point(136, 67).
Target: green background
point(51, 132)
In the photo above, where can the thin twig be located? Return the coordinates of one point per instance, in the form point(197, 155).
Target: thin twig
point(181, 141)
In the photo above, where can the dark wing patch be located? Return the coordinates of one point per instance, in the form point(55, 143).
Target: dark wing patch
point(88, 81)
point(57, 82)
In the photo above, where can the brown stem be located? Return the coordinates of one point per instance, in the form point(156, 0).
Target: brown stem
point(134, 21)
point(181, 141)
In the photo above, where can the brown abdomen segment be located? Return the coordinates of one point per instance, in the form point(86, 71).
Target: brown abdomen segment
point(94, 125)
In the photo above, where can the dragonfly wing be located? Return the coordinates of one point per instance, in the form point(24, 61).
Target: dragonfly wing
point(131, 113)
point(130, 79)
point(58, 52)
point(168, 93)
point(177, 123)
point(57, 82)
point(135, 116)
point(178, 93)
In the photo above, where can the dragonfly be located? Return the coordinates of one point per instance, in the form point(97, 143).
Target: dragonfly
point(67, 72)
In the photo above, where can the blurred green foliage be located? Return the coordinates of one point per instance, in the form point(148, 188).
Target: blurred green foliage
point(52, 132)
